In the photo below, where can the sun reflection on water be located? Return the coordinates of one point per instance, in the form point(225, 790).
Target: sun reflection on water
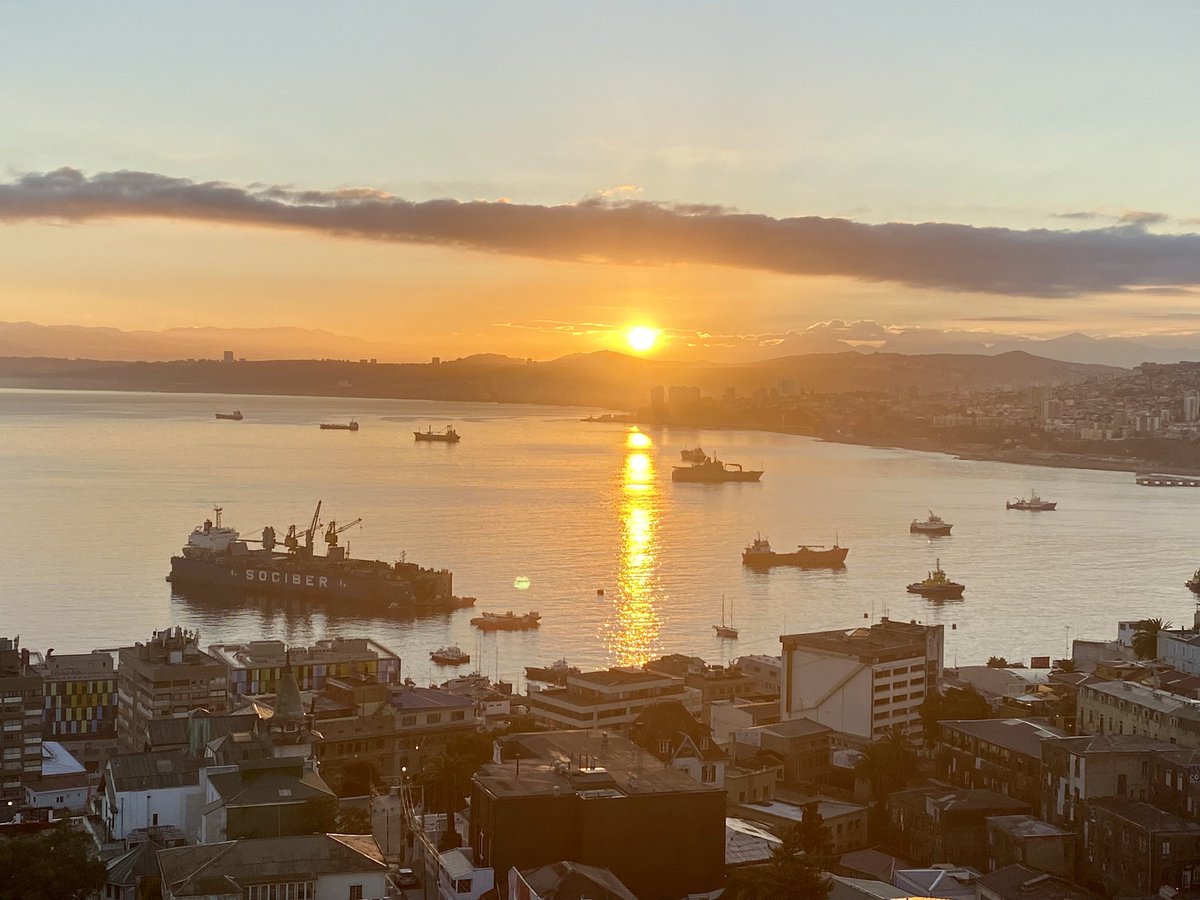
point(632, 632)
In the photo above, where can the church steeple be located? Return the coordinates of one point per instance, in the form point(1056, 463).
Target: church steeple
point(288, 716)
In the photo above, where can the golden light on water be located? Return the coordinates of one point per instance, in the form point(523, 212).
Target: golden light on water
point(636, 440)
point(632, 631)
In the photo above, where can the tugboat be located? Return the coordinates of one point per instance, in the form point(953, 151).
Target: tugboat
point(450, 656)
point(555, 673)
point(694, 455)
point(932, 525)
point(509, 621)
point(713, 471)
point(723, 630)
point(1193, 583)
point(235, 416)
point(937, 586)
point(1034, 503)
point(809, 556)
point(446, 436)
point(337, 426)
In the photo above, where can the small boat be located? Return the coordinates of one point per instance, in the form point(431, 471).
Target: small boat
point(235, 416)
point(1193, 583)
point(509, 621)
point(811, 556)
point(1034, 503)
point(714, 471)
point(446, 436)
point(694, 455)
point(450, 656)
point(555, 673)
point(338, 426)
point(723, 630)
point(937, 586)
point(932, 525)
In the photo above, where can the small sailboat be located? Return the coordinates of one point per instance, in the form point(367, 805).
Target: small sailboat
point(723, 630)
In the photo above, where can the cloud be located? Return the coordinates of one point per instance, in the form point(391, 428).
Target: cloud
point(619, 190)
point(951, 257)
point(1087, 215)
point(1140, 217)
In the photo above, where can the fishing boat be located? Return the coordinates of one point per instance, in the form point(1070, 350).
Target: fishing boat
point(714, 471)
point(450, 656)
point(338, 426)
point(932, 525)
point(508, 621)
point(758, 554)
point(1034, 503)
point(555, 673)
point(235, 416)
point(693, 455)
point(446, 436)
point(723, 630)
point(1193, 583)
point(937, 586)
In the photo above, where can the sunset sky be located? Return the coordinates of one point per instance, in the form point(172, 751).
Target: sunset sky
point(537, 178)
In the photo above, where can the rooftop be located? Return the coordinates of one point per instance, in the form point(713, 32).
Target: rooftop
point(952, 799)
point(1023, 736)
point(1025, 826)
point(1110, 743)
point(421, 699)
point(792, 728)
point(883, 637)
point(153, 770)
point(56, 760)
point(273, 653)
point(1148, 697)
point(1142, 814)
point(575, 881)
point(590, 764)
point(619, 677)
point(794, 811)
point(843, 888)
point(1017, 882)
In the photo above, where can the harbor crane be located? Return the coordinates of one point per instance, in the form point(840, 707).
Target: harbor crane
point(332, 532)
point(292, 540)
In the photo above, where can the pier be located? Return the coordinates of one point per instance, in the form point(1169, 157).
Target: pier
point(1149, 479)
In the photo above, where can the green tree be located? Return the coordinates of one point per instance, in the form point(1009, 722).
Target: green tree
point(353, 820)
point(813, 834)
point(50, 865)
point(1066, 666)
point(447, 778)
point(955, 704)
point(997, 662)
point(888, 764)
point(1145, 637)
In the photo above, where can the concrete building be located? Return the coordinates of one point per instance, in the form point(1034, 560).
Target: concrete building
point(802, 747)
point(566, 879)
point(729, 716)
point(1132, 849)
point(1126, 707)
point(304, 867)
point(715, 683)
point(1175, 782)
point(64, 782)
point(255, 667)
point(1030, 842)
point(150, 790)
point(1017, 882)
point(863, 681)
point(847, 822)
point(1002, 755)
point(20, 723)
point(79, 692)
point(427, 721)
point(671, 734)
point(946, 825)
point(169, 675)
point(767, 672)
point(264, 798)
point(598, 799)
point(608, 699)
point(1077, 770)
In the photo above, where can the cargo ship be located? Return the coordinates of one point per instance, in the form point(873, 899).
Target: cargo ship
point(509, 621)
point(338, 426)
point(217, 556)
point(446, 436)
point(714, 471)
point(811, 556)
point(555, 673)
point(235, 416)
point(1033, 504)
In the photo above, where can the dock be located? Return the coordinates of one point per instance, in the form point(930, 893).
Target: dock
point(1150, 479)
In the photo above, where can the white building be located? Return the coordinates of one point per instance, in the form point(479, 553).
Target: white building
point(301, 867)
point(765, 670)
point(610, 698)
point(149, 790)
point(862, 681)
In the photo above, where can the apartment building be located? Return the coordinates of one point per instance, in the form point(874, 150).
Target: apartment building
point(609, 699)
point(20, 723)
point(863, 681)
point(79, 692)
point(255, 667)
point(1127, 707)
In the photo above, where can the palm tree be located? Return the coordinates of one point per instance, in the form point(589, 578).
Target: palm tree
point(888, 763)
point(1066, 666)
point(1145, 637)
point(447, 778)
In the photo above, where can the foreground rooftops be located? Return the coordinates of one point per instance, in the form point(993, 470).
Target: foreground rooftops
point(1023, 736)
point(884, 637)
point(274, 653)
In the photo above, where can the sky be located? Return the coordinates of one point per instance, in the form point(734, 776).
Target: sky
point(536, 178)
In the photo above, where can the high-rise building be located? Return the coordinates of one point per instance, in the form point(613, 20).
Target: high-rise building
point(862, 681)
point(168, 675)
point(79, 691)
point(255, 667)
point(20, 723)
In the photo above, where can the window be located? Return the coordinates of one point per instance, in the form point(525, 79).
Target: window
point(664, 746)
point(356, 892)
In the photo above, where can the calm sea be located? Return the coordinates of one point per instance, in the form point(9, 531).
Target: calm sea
point(100, 489)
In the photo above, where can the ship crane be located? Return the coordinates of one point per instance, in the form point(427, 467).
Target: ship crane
point(332, 532)
point(292, 540)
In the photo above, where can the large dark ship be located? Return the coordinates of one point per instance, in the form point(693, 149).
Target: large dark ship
point(217, 556)
point(759, 554)
point(714, 471)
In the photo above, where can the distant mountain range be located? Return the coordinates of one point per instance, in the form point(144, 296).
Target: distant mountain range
point(26, 339)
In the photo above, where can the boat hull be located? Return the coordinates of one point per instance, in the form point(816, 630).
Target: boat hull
point(548, 675)
point(436, 438)
point(937, 530)
point(941, 592)
point(1193, 585)
point(1041, 507)
point(696, 475)
point(833, 558)
point(372, 584)
point(518, 624)
point(450, 660)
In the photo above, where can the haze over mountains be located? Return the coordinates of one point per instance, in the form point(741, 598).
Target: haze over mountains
point(27, 339)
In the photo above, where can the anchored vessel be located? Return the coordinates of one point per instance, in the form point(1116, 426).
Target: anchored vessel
point(217, 556)
point(446, 436)
point(932, 525)
point(723, 630)
point(236, 415)
point(694, 455)
point(1034, 503)
point(937, 586)
point(450, 656)
point(812, 556)
point(714, 471)
point(337, 426)
point(1193, 583)
point(555, 673)
point(509, 621)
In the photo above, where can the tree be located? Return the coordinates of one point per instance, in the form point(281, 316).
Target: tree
point(1066, 666)
point(353, 820)
point(813, 834)
point(792, 873)
point(447, 778)
point(966, 703)
point(50, 865)
point(355, 778)
point(888, 764)
point(997, 662)
point(1145, 637)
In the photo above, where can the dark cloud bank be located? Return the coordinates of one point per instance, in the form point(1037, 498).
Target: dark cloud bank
point(931, 255)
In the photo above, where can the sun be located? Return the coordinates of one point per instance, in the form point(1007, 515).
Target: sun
point(641, 338)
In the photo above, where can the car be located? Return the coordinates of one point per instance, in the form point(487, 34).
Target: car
point(406, 878)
